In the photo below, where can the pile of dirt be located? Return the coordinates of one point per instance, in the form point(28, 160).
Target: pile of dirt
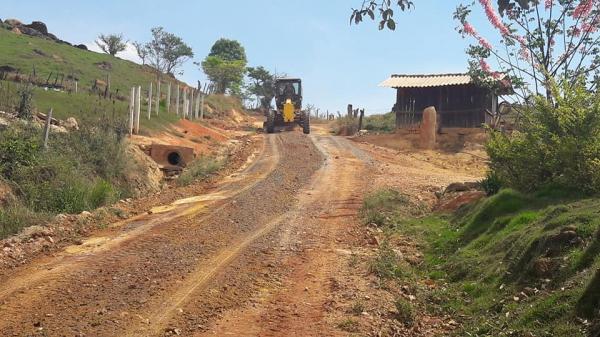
point(146, 178)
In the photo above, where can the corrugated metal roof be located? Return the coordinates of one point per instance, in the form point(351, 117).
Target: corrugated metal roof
point(424, 81)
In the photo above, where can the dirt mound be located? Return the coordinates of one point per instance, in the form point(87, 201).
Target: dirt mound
point(147, 176)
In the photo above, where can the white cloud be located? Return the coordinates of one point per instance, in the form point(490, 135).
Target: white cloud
point(129, 54)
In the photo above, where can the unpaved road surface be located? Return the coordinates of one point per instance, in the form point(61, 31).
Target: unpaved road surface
point(261, 254)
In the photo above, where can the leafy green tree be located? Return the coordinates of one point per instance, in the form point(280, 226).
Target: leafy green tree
point(167, 51)
point(228, 50)
point(226, 75)
point(111, 44)
point(262, 85)
point(225, 66)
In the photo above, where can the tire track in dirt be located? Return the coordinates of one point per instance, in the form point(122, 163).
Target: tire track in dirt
point(306, 245)
point(110, 291)
point(74, 256)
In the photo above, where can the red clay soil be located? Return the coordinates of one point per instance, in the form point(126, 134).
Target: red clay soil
point(192, 129)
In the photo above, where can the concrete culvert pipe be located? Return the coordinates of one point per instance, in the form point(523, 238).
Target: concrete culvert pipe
point(175, 159)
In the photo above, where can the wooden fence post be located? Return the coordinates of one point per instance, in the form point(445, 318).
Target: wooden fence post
point(169, 98)
point(138, 109)
point(150, 101)
point(360, 119)
point(349, 110)
point(157, 97)
point(47, 128)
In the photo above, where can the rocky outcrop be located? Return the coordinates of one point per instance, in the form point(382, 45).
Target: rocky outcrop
point(36, 29)
point(39, 26)
point(13, 22)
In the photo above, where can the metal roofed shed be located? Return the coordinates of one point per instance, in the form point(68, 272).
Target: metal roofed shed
point(458, 101)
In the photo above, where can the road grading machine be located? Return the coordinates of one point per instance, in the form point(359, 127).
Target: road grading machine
point(288, 107)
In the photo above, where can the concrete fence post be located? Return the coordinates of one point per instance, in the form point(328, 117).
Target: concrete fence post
point(177, 98)
point(191, 107)
point(185, 102)
point(47, 128)
point(131, 110)
point(169, 98)
point(197, 107)
point(150, 101)
point(138, 109)
point(157, 97)
point(201, 106)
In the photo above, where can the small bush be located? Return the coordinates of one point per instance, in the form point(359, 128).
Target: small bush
point(379, 207)
point(405, 312)
point(558, 142)
point(14, 217)
point(102, 194)
point(491, 184)
point(348, 325)
point(25, 108)
point(380, 123)
point(386, 264)
point(357, 308)
point(346, 126)
point(200, 169)
point(18, 148)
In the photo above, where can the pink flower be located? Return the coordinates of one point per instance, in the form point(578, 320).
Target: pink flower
point(583, 10)
point(494, 17)
point(524, 54)
point(589, 28)
point(485, 66)
point(469, 29)
point(549, 4)
point(485, 43)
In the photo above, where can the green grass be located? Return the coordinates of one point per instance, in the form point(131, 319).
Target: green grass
point(15, 216)
point(200, 169)
point(380, 123)
point(485, 256)
point(18, 52)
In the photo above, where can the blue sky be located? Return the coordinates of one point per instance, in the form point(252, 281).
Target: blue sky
point(311, 39)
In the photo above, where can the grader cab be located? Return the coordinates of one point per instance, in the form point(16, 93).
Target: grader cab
point(288, 107)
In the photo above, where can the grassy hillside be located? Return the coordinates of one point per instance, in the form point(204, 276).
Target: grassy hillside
point(511, 265)
point(25, 52)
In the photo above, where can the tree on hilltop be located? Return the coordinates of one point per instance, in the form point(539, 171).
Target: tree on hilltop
point(111, 44)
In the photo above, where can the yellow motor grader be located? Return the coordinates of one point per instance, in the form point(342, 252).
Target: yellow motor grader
point(288, 107)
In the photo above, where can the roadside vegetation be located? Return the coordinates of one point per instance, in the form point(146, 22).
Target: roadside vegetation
point(80, 170)
point(200, 169)
point(512, 265)
point(384, 123)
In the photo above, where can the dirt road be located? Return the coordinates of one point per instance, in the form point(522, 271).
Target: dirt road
point(261, 254)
